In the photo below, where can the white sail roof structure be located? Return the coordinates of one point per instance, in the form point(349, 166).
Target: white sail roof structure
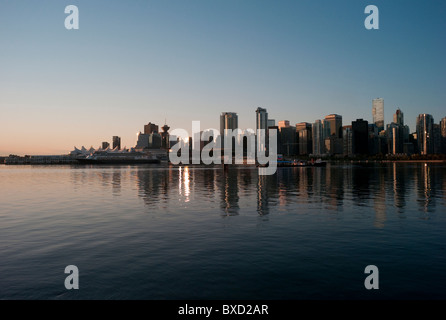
point(76, 151)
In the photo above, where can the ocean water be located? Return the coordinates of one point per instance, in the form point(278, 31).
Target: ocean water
point(161, 233)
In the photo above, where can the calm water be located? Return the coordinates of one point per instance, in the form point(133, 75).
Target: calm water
point(148, 232)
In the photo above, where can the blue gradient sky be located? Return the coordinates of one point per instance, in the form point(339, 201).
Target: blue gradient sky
point(132, 62)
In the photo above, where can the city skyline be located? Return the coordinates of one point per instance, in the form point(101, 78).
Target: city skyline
point(192, 60)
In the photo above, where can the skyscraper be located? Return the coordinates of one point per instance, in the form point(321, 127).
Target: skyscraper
point(228, 120)
point(360, 137)
point(398, 117)
point(305, 138)
point(335, 121)
point(150, 128)
point(443, 134)
point(318, 137)
point(425, 127)
point(262, 124)
point(378, 113)
point(283, 124)
point(116, 142)
point(261, 119)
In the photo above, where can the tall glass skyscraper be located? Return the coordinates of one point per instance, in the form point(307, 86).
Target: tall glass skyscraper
point(335, 121)
point(261, 119)
point(398, 117)
point(262, 123)
point(228, 120)
point(443, 134)
point(425, 133)
point(378, 113)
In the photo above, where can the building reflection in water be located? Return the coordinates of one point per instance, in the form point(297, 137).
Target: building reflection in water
point(116, 182)
point(382, 187)
point(379, 200)
point(262, 195)
point(153, 185)
point(229, 192)
point(424, 188)
point(184, 183)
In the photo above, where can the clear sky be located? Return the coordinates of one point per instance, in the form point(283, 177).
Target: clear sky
point(137, 61)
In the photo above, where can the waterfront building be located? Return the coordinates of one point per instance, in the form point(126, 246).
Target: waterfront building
point(378, 113)
point(424, 128)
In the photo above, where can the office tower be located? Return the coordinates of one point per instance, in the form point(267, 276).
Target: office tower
point(335, 122)
point(105, 145)
point(154, 140)
point(378, 113)
point(398, 117)
point(271, 123)
point(150, 128)
point(360, 137)
point(262, 124)
point(347, 141)
point(318, 138)
point(116, 142)
point(283, 124)
point(142, 141)
point(304, 138)
point(397, 133)
point(437, 138)
point(443, 134)
point(395, 139)
point(320, 131)
point(333, 140)
point(229, 121)
point(288, 140)
point(261, 119)
point(424, 128)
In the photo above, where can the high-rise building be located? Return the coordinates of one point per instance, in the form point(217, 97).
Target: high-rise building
point(154, 140)
point(288, 140)
point(283, 124)
point(150, 128)
point(395, 140)
point(347, 141)
point(229, 121)
point(425, 132)
point(271, 123)
point(437, 138)
point(105, 145)
point(360, 137)
point(443, 134)
point(116, 142)
point(397, 133)
point(318, 137)
point(305, 138)
point(398, 117)
point(262, 124)
point(335, 121)
point(333, 140)
point(378, 113)
point(261, 119)
point(142, 141)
